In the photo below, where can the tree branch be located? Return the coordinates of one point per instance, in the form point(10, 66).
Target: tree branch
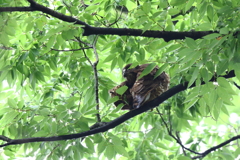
point(14, 9)
point(236, 85)
point(37, 7)
point(166, 35)
point(70, 49)
point(152, 104)
point(94, 67)
point(216, 147)
point(96, 78)
point(89, 30)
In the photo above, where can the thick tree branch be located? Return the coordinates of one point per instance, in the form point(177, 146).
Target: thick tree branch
point(152, 104)
point(166, 35)
point(53, 13)
point(89, 30)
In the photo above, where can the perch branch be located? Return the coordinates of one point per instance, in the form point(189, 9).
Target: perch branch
point(147, 106)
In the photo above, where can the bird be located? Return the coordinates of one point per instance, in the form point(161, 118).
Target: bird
point(146, 88)
point(126, 98)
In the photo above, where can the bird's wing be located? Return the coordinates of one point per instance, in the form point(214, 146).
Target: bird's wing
point(141, 90)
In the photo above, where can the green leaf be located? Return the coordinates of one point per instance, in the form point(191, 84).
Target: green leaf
point(4, 39)
point(204, 27)
point(44, 112)
point(177, 2)
point(189, 4)
point(114, 62)
point(8, 118)
point(237, 152)
point(147, 27)
point(67, 35)
point(183, 158)
point(114, 99)
point(173, 11)
point(121, 150)
point(98, 138)
point(223, 83)
point(146, 7)
point(89, 144)
point(173, 47)
point(194, 93)
point(222, 67)
point(39, 76)
point(40, 133)
point(110, 152)
point(122, 90)
point(224, 30)
point(130, 5)
point(5, 110)
point(161, 145)
point(50, 41)
point(217, 108)
point(52, 64)
point(140, 55)
point(191, 103)
point(190, 55)
point(88, 16)
point(12, 103)
point(23, 69)
point(101, 146)
point(191, 43)
point(205, 75)
point(147, 70)
point(160, 70)
point(210, 12)
point(92, 8)
point(32, 80)
point(202, 10)
point(194, 76)
point(116, 140)
point(10, 30)
point(212, 36)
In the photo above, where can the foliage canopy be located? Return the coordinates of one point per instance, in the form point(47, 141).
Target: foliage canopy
point(49, 86)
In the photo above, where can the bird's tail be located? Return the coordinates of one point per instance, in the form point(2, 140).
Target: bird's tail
point(138, 100)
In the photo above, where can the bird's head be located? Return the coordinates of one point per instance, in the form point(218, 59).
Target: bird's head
point(125, 70)
point(130, 74)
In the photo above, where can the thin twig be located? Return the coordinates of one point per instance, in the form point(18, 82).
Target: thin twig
point(236, 85)
point(117, 18)
point(94, 67)
point(216, 147)
point(96, 78)
point(71, 49)
point(176, 139)
point(179, 139)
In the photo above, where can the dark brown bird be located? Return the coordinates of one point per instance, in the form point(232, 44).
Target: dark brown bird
point(146, 88)
point(126, 98)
